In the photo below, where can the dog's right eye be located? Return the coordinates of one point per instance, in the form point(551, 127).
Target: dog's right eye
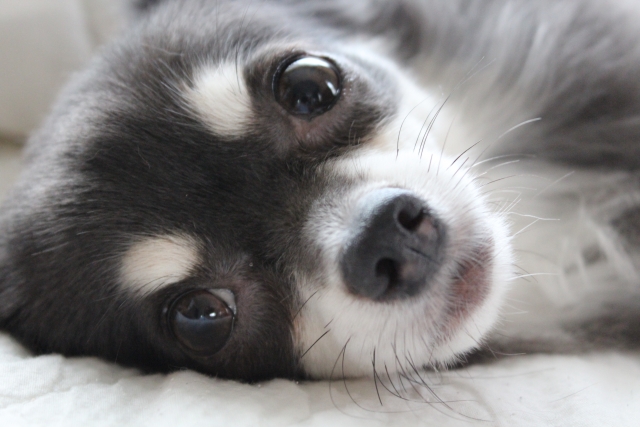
point(308, 86)
point(201, 321)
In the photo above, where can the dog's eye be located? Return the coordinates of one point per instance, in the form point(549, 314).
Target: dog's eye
point(308, 86)
point(202, 321)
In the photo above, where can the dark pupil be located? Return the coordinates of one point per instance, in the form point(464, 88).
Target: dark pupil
point(308, 86)
point(201, 322)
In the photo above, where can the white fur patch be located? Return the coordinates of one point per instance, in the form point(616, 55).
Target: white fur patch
point(419, 326)
point(156, 262)
point(220, 99)
point(407, 154)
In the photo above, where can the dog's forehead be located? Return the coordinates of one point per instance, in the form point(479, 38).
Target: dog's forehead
point(216, 63)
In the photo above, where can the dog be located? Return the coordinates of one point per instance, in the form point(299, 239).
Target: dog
point(288, 188)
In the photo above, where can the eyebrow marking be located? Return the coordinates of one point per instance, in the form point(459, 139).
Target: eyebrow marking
point(220, 99)
point(153, 263)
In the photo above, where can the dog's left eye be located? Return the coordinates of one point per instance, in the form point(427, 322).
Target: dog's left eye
point(201, 321)
point(308, 86)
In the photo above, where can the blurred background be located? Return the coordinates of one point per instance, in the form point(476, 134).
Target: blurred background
point(42, 42)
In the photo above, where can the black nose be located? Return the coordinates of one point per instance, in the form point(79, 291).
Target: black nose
point(396, 251)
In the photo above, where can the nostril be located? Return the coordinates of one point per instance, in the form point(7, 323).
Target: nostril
point(417, 220)
point(387, 273)
point(410, 219)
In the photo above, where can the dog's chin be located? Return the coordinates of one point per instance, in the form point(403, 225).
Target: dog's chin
point(342, 334)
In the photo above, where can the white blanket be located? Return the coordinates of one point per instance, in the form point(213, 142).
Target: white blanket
point(588, 390)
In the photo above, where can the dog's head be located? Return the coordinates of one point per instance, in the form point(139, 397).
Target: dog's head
point(249, 199)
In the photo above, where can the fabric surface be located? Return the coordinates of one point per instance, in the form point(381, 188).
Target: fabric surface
point(588, 390)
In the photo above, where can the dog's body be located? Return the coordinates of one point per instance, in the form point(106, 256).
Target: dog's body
point(306, 182)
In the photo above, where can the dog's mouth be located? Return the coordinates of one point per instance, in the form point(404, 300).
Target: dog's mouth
point(470, 286)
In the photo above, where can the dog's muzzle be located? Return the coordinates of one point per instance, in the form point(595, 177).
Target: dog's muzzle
point(396, 248)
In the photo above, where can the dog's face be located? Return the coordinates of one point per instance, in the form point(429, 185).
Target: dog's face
point(251, 201)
